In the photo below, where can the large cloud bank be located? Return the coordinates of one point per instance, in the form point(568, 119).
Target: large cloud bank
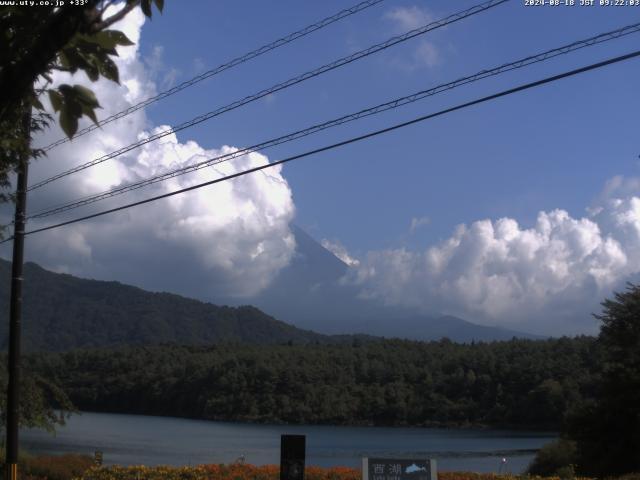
point(231, 239)
point(228, 239)
point(550, 276)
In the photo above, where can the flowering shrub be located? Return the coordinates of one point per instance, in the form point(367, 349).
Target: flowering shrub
point(59, 467)
point(267, 472)
point(493, 476)
point(629, 476)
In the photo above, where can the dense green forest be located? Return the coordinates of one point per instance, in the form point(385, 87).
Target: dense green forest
point(520, 383)
point(62, 312)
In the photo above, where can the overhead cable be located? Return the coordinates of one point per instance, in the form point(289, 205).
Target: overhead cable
point(225, 66)
point(281, 86)
point(506, 67)
point(349, 141)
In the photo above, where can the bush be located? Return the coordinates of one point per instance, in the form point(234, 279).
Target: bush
point(248, 472)
point(566, 473)
point(59, 467)
point(555, 458)
point(607, 429)
point(266, 472)
point(628, 476)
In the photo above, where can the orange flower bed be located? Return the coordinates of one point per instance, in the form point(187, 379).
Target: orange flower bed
point(251, 472)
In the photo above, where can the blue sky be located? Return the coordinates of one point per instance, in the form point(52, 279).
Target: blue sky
point(549, 148)
point(522, 212)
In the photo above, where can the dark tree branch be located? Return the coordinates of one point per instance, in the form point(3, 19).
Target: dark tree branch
point(98, 26)
point(60, 69)
point(106, 4)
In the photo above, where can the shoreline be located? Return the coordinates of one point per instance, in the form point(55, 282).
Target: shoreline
point(152, 440)
point(542, 430)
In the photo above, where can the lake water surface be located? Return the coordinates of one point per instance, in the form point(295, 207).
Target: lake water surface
point(138, 439)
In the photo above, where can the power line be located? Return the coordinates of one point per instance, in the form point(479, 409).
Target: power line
point(504, 93)
point(530, 60)
point(281, 86)
point(225, 66)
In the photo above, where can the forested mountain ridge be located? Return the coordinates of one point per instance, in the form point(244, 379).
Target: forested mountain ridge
point(62, 312)
point(520, 383)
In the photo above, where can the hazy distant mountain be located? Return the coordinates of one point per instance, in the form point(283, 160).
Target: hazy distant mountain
point(309, 294)
point(62, 312)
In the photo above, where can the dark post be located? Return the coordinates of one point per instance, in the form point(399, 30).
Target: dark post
point(292, 457)
point(15, 312)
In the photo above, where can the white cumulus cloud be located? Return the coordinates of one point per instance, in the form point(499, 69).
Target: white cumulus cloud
point(409, 18)
point(340, 251)
point(228, 239)
point(550, 276)
point(426, 53)
point(417, 222)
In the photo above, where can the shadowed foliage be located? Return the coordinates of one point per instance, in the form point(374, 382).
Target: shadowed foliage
point(607, 428)
point(390, 382)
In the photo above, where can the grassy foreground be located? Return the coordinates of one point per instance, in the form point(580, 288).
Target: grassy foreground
point(80, 467)
point(250, 472)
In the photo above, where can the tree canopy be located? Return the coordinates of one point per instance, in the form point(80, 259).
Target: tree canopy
point(43, 403)
point(39, 40)
point(607, 429)
point(520, 383)
point(36, 41)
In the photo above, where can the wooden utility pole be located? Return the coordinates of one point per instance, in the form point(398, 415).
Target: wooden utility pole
point(15, 313)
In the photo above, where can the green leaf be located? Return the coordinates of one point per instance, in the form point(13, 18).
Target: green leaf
point(87, 44)
point(65, 89)
point(64, 60)
point(92, 72)
point(90, 112)
point(108, 39)
point(71, 104)
point(84, 60)
point(159, 4)
point(86, 96)
point(109, 70)
point(119, 37)
point(37, 103)
point(73, 107)
point(69, 123)
point(71, 59)
point(56, 99)
point(146, 7)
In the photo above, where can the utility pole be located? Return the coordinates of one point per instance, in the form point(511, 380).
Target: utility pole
point(15, 313)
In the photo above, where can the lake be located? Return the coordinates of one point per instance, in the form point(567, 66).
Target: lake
point(139, 439)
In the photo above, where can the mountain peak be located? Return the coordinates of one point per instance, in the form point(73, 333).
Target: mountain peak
point(62, 311)
point(311, 293)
